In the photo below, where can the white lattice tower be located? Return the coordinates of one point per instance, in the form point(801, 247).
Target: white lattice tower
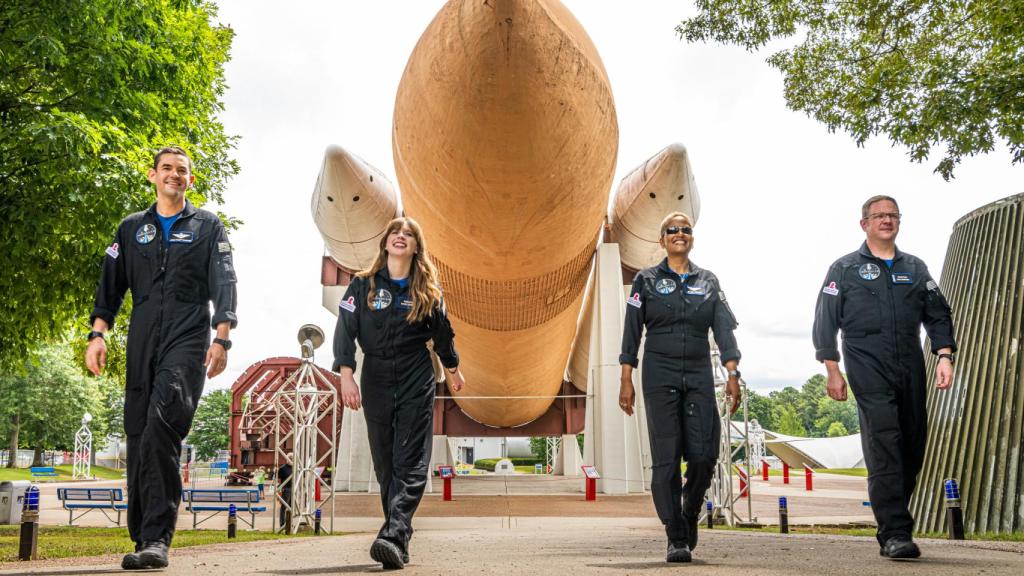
point(82, 463)
point(757, 451)
point(300, 406)
point(554, 446)
point(733, 440)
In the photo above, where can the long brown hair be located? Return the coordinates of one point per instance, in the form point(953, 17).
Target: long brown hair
point(424, 286)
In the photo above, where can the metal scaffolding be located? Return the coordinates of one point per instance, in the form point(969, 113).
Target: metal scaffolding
point(735, 438)
point(301, 404)
point(82, 464)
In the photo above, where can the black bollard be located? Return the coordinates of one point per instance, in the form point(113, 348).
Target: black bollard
point(316, 523)
point(27, 543)
point(954, 514)
point(232, 521)
point(783, 515)
point(711, 514)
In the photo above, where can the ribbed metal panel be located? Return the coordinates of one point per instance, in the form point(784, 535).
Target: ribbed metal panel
point(975, 428)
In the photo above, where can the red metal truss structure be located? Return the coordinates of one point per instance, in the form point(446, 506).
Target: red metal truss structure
point(253, 411)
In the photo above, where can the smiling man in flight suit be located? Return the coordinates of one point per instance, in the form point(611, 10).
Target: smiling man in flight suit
point(879, 297)
point(175, 259)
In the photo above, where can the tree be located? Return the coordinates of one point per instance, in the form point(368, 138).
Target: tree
point(811, 394)
point(832, 412)
point(759, 408)
point(836, 429)
point(89, 90)
point(789, 422)
point(45, 401)
point(926, 74)
point(210, 428)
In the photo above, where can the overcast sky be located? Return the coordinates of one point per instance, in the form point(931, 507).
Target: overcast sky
point(780, 196)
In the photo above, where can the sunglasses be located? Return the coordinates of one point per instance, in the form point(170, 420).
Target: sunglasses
point(673, 230)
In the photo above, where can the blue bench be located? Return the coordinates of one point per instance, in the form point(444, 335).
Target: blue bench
point(43, 472)
point(106, 500)
point(217, 501)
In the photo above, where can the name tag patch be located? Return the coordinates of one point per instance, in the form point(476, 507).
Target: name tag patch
point(831, 289)
point(902, 278)
point(696, 291)
point(112, 251)
point(406, 303)
point(634, 300)
point(182, 237)
point(349, 305)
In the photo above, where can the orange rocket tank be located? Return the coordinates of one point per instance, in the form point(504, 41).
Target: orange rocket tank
point(505, 139)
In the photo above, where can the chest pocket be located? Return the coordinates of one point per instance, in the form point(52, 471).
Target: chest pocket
point(862, 306)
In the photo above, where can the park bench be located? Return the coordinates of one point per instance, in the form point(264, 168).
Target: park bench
point(43, 472)
point(86, 500)
point(217, 501)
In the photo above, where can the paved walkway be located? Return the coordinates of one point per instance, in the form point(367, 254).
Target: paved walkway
point(561, 547)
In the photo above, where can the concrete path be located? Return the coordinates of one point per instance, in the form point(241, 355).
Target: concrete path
point(562, 547)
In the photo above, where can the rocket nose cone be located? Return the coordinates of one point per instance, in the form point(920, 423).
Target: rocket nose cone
point(676, 151)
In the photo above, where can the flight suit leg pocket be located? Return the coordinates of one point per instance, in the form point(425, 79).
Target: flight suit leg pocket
point(701, 428)
point(664, 426)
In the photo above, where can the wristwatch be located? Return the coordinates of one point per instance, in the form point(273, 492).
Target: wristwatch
point(735, 373)
point(452, 370)
point(949, 356)
point(225, 343)
point(96, 334)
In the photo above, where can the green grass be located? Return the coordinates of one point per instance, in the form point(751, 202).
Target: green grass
point(63, 473)
point(861, 472)
point(74, 541)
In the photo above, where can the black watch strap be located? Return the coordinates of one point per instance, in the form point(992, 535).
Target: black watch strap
point(225, 343)
point(948, 356)
point(96, 334)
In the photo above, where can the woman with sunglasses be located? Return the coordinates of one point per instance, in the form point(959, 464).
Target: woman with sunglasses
point(392, 309)
point(677, 302)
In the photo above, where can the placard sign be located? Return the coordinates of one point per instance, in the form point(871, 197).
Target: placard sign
point(590, 472)
point(446, 471)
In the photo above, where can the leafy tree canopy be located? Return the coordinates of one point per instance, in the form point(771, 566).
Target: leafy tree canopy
point(927, 74)
point(210, 427)
point(89, 90)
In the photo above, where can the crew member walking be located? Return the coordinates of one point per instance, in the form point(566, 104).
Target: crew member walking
point(677, 302)
point(879, 297)
point(175, 259)
point(393, 309)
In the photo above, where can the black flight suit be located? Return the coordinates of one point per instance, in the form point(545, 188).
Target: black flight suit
point(397, 386)
point(880, 312)
point(678, 383)
point(172, 285)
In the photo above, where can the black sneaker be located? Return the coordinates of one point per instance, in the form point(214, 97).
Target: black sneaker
point(131, 562)
point(900, 548)
point(405, 557)
point(153, 555)
point(691, 531)
point(387, 553)
point(678, 551)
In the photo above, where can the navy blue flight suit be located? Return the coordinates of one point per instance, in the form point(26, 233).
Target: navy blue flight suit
point(397, 386)
point(678, 383)
point(172, 286)
point(880, 312)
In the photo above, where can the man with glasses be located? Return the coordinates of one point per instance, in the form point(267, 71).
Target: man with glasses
point(879, 297)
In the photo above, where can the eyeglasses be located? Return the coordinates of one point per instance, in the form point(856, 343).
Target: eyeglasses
point(883, 215)
point(673, 230)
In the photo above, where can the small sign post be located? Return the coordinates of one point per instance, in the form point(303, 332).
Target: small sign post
point(446, 473)
point(592, 477)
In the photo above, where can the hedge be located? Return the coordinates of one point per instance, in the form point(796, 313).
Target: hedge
point(489, 463)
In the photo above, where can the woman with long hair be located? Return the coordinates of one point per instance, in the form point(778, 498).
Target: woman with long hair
point(392, 309)
point(677, 302)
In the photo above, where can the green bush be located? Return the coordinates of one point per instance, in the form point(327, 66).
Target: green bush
point(489, 463)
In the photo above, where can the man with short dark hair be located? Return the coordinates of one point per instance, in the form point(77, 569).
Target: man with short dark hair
point(175, 259)
point(879, 297)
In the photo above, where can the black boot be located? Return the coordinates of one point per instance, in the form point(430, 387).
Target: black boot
point(387, 553)
point(900, 548)
point(153, 555)
point(678, 551)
